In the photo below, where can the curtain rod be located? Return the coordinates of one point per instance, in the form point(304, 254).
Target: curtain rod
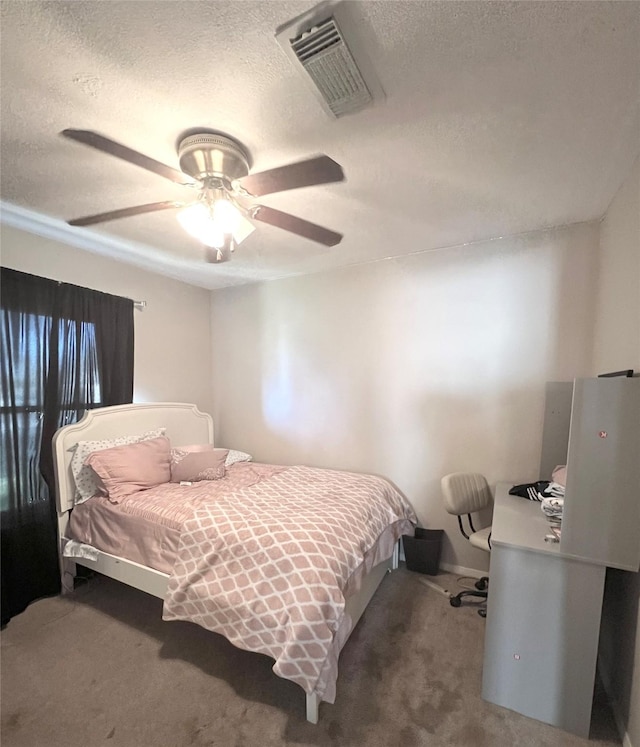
point(140, 305)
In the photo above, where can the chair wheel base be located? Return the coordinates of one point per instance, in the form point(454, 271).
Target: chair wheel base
point(457, 600)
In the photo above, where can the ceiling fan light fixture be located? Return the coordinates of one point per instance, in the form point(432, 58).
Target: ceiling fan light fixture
point(243, 229)
point(212, 223)
point(198, 222)
point(216, 256)
point(205, 155)
point(226, 215)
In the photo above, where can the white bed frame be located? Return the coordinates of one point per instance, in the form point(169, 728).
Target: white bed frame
point(184, 424)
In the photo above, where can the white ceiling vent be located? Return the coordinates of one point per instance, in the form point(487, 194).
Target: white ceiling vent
point(325, 56)
point(317, 43)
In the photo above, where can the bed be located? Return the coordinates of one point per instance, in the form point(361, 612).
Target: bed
point(188, 576)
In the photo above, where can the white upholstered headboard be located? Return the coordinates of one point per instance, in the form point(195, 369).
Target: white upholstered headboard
point(185, 424)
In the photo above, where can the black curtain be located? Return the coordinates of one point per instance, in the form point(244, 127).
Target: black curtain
point(64, 350)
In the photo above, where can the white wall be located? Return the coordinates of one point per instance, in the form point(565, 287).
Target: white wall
point(172, 335)
point(412, 367)
point(617, 346)
point(617, 332)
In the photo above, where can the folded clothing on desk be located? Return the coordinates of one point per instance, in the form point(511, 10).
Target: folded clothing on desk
point(552, 508)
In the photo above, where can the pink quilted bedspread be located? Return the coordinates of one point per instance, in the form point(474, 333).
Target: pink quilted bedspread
point(268, 565)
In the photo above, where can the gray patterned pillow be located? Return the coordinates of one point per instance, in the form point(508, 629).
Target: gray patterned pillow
point(86, 480)
point(194, 465)
point(237, 456)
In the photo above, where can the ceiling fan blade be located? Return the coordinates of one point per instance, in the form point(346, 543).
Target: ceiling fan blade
point(106, 145)
point(151, 207)
point(318, 170)
point(296, 225)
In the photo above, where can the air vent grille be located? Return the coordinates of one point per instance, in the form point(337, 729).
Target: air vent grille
point(325, 56)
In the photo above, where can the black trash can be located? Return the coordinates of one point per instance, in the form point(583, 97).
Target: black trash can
point(422, 552)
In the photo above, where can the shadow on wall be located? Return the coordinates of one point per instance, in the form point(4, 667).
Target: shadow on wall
point(310, 409)
point(495, 433)
point(313, 389)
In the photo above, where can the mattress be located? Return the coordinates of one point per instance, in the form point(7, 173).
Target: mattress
point(146, 527)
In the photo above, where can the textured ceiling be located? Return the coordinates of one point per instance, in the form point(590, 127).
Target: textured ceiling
point(499, 118)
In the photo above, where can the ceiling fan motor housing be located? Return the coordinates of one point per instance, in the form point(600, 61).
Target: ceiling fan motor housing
point(206, 155)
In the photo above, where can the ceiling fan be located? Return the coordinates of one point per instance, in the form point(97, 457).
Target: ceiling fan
point(218, 167)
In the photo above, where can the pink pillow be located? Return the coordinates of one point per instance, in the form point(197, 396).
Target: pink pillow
point(195, 463)
point(178, 452)
point(126, 470)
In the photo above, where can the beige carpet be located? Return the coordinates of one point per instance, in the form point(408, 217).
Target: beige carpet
point(101, 668)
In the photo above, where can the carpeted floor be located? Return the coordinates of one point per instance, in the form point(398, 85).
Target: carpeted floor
point(101, 668)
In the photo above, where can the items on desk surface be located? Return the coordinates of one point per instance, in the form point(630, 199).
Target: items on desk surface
point(550, 493)
point(538, 491)
point(531, 490)
point(559, 475)
point(552, 508)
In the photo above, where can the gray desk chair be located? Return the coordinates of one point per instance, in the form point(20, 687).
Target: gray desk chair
point(466, 493)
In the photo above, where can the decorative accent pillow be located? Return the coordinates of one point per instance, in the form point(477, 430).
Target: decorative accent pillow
point(237, 456)
point(87, 485)
point(126, 470)
point(196, 463)
point(178, 452)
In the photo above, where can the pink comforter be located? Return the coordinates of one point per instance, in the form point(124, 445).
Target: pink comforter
point(268, 566)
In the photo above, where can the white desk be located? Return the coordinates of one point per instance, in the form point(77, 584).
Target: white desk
point(543, 620)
